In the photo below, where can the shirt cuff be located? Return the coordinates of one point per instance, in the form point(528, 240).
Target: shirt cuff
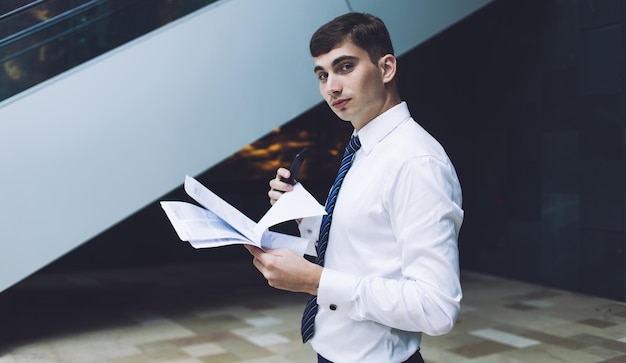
point(336, 291)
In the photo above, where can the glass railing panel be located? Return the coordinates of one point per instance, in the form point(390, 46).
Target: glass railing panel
point(41, 39)
point(22, 19)
point(9, 7)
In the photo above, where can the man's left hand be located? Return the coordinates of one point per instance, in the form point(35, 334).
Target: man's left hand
point(285, 270)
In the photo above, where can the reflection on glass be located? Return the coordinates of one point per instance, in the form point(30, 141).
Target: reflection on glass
point(318, 129)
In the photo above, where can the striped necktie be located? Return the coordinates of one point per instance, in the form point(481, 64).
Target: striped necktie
point(308, 318)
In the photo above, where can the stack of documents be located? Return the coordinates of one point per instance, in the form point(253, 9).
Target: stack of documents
point(217, 223)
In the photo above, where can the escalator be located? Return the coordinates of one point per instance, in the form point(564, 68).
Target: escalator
point(106, 105)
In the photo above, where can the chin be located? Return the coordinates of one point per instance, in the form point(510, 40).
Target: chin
point(342, 115)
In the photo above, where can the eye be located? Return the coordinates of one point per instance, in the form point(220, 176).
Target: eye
point(322, 76)
point(346, 67)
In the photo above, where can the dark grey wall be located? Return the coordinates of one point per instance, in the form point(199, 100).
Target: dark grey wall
point(528, 98)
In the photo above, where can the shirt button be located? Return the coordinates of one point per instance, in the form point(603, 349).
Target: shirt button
point(333, 307)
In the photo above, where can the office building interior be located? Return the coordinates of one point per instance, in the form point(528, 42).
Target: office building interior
point(106, 105)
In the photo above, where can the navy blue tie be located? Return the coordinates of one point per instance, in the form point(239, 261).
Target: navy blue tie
point(308, 318)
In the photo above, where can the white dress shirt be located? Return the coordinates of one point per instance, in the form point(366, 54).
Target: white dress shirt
point(392, 266)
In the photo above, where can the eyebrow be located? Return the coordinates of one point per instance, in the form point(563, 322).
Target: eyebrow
point(336, 61)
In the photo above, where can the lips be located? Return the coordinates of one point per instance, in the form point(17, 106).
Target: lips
point(340, 103)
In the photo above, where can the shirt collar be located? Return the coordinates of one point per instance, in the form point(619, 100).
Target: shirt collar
point(382, 125)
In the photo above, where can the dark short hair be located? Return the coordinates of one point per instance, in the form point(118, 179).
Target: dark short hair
point(364, 30)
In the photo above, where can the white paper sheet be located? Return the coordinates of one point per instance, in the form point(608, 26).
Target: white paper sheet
point(193, 223)
point(217, 205)
point(298, 203)
point(220, 224)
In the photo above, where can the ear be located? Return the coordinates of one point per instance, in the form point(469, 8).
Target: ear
point(388, 64)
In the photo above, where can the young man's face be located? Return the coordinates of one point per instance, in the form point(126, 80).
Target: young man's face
point(351, 84)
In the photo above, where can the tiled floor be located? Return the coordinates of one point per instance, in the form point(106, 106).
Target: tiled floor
point(225, 312)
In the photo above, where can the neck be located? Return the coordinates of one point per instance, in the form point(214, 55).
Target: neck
point(392, 100)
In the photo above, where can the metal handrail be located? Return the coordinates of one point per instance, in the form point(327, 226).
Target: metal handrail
point(21, 9)
point(50, 22)
point(50, 39)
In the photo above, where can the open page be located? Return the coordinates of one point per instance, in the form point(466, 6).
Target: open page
point(272, 240)
point(193, 223)
point(275, 240)
point(217, 205)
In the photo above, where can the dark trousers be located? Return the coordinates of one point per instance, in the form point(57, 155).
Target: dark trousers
point(415, 358)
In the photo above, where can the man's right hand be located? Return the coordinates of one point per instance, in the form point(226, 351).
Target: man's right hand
point(278, 187)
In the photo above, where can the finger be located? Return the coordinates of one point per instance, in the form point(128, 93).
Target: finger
point(282, 173)
point(254, 250)
point(258, 265)
point(279, 185)
point(274, 195)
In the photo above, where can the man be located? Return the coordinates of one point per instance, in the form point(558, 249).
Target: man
point(388, 270)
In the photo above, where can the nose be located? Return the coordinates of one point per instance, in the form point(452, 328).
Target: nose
point(332, 86)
